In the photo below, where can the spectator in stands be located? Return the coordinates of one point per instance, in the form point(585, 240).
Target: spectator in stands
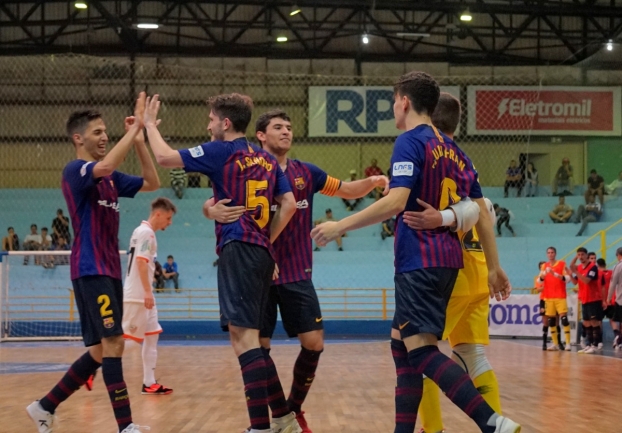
point(595, 186)
point(60, 227)
point(158, 277)
point(170, 272)
point(615, 187)
point(179, 178)
point(351, 203)
point(589, 213)
point(374, 170)
point(11, 241)
point(60, 244)
point(503, 216)
point(562, 212)
point(531, 181)
point(329, 217)
point(513, 179)
point(46, 245)
point(388, 228)
point(564, 177)
point(32, 242)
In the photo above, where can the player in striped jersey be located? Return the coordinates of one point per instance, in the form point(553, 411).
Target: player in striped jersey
point(140, 314)
point(427, 165)
point(293, 292)
point(252, 178)
point(92, 187)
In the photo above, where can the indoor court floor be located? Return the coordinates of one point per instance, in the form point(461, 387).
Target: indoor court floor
point(353, 390)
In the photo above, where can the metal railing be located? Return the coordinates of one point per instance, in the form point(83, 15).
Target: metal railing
point(604, 247)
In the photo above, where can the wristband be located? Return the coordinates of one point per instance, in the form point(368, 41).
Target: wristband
point(448, 217)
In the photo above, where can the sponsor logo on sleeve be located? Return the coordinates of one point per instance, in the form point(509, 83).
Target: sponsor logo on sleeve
point(403, 169)
point(83, 169)
point(197, 152)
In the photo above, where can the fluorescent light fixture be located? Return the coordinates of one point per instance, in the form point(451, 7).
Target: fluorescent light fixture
point(610, 45)
point(80, 5)
point(466, 16)
point(281, 39)
point(147, 26)
point(295, 10)
point(412, 35)
point(365, 39)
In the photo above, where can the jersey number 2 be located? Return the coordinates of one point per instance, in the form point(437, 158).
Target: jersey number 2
point(449, 193)
point(104, 301)
point(253, 201)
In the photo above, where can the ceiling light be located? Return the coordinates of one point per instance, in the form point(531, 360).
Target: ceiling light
point(281, 39)
point(295, 10)
point(147, 26)
point(610, 45)
point(365, 39)
point(466, 16)
point(80, 5)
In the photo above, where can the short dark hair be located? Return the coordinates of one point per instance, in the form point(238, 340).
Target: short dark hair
point(447, 113)
point(619, 251)
point(601, 262)
point(540, 264)
point(329, 210)
point(581, 250)
point(261, 125)
point(59, 211)
point(552, 248)
point(44, 228)
point(79, 120)
point(9, 228)
point(593, 171)
point(591, 253)
point(164, 204)
point(421, 89)
point(169, 257)
point(33, 225)
point(236, 107)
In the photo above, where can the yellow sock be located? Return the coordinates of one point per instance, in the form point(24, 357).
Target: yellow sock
point(554, 335)
point(430, 407)
point(487, 385)
point(567, 334)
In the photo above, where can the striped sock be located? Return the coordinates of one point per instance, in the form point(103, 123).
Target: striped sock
point(254, 375)
point(455, 383)
point(276, 397)
point(112, 370)
point(304, 374)
point(408, 391)
point(75, 377)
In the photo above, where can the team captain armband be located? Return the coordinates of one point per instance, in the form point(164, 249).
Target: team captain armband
point(331, 186)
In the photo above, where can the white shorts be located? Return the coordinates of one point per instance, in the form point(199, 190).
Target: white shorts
point(138, 321)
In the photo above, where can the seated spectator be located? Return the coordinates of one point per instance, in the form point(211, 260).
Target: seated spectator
point(11, 241)
point(503, 216)
point(513, 179)
point(158, 277)
point(615, 187)
point(374, 170)
point(564, 178)
point(595, 186)
point(179, 178)
point(351, 203)
point(531, 181)
point(60, 227)
point(589, 213)
point(562, 212)
point(329, 217)
point(388, 228)
point(61, 245)
point(32, 242)
point(46, 245)
point(170, 272)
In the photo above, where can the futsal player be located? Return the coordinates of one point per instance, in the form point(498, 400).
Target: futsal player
point(614, 296)
point(554, 276)
point(466, 325)
point(427, 165)
point(590, 294)
point(252, 178)
point(92, 187)
point(293, 293)
point(140, 314)
point(609, 307)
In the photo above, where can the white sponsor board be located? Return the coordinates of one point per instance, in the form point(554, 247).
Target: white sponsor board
point(356, 111)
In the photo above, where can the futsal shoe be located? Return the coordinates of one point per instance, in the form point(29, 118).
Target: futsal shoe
point(156, 389)
point(553, 348)
point(42, 418)
point(286, 424)
point(506, 425)
point(568, 348)
point(302, 422)
point(599, 347)
point(588, 350)
point(134, 428)
point(616, 341)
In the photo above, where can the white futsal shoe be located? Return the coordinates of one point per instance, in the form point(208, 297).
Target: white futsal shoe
point(286, 424)
point(135, 428)
point(506, 425)
point(553, 348)
point(44, 420)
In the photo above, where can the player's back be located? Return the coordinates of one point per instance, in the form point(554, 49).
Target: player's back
point(143, 246)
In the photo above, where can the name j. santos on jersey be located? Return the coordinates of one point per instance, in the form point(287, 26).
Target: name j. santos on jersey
point(250, 161)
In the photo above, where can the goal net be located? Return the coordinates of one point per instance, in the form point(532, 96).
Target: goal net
point(37, 300)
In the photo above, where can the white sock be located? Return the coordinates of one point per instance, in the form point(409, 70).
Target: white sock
point(150, 356)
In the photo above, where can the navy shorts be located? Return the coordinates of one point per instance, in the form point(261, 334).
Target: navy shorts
point(244, 278)
point(421, 298)
point(592, 310)
point(299, 307)
point(617, 313)
point(608, 313)
point(99, 299)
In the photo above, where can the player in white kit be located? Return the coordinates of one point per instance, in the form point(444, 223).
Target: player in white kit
point(140, 315)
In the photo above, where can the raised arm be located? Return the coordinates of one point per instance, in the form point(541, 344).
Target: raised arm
point(360, 188)
point(165, 155)
point(151, 180)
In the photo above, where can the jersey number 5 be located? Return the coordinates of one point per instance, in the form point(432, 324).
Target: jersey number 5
point(253, 201)
point(449, 193)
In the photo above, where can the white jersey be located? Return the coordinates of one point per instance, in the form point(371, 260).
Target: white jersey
point(143, 246)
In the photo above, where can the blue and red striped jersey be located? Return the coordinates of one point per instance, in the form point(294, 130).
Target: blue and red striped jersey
point(293, 247)
point(247, 175)
point(438, 172)
point(94, 210)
